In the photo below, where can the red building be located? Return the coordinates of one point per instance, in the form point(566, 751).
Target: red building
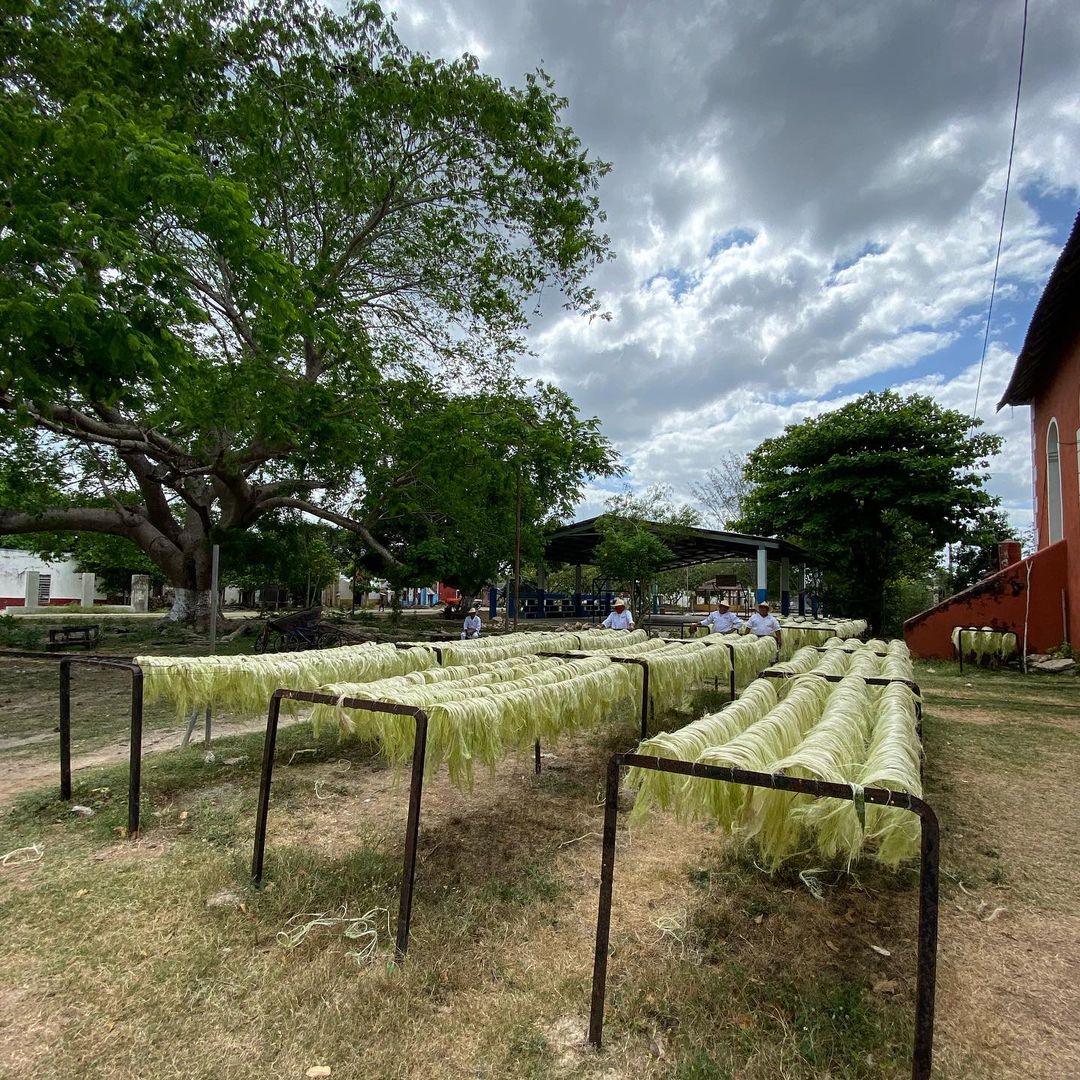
point(1038, 598)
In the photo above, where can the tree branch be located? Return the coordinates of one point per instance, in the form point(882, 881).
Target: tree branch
point(352, 526)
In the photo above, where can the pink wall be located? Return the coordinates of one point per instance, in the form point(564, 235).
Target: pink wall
point(1001, 601)
point(1060, 400)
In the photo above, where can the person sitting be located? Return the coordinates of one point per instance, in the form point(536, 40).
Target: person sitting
point(620, 617)
point(763, 624)
point(723, 620)
point(471, 627)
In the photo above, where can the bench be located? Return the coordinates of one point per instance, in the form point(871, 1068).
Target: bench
point(73, 635)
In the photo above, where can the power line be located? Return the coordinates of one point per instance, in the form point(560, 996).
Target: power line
point(1004, 205)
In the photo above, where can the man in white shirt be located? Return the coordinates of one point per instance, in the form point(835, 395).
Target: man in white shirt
point(620, 618)
point(471, 626)
point(763, 624)
point(723, 620)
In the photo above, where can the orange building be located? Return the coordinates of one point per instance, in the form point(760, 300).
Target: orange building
point(1038, 598)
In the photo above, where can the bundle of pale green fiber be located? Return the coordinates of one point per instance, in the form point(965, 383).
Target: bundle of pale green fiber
point(452, 678)
point(833, 662)
point(892, 761)
point(796, 637)
point(895, 666)
point(606, 639)
point(675, 668)
point(752, 656)
point(864, 662)
point(799, 663)
point(986, 643)
point(479, 722)
point(831, 751)
point(689, 742)
point(244, 684)
point(769, 739)
point(523, 643)
point(631, 648)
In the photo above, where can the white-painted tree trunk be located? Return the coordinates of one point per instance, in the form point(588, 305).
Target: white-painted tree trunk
point(190, 606)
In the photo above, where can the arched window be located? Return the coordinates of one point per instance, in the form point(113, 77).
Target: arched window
point(1053, 484)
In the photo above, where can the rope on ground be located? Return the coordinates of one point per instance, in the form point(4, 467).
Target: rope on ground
point(363, 928)
point(20, 856)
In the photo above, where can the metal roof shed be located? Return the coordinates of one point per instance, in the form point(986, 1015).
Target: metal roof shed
point(576, 544)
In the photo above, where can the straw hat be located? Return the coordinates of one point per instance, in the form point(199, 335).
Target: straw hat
point(620, 602)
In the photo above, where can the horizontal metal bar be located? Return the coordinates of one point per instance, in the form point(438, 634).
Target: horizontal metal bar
point(777, 781)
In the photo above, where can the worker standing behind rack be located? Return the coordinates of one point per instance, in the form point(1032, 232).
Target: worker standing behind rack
point(763, 624)
point(723, 620)
point(620, 618)
point(471, 626)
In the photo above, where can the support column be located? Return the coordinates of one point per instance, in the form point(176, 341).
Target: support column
point(32, 584)
point(802, 590)
point(579, 607)
point(762, 575)
point(493, 602)
point(88, 591)
point(140, 592)
point(785, 586)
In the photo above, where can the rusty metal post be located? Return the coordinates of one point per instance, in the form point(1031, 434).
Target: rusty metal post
point(412, 832)
point(263, 806)
point(731, 674)
point(922, 1052)
point(135, 748)
point(926, 978)
point(416, 788)
point(536, 753)
point(603, 915)
point(65, 729)
point(135, 752)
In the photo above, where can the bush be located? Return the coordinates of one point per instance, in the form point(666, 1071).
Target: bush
point(16, 635)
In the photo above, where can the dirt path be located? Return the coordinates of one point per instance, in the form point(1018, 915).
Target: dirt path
point(20, 774)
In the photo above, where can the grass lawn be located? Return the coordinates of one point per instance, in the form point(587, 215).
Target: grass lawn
point(156, 958)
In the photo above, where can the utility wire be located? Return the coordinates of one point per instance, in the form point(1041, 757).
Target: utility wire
point(1004, 205)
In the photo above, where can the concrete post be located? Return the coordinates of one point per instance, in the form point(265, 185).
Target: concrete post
point(140, 592)
point(33, 583)
point(785, 586)
point(88, 590)
point(762, 575)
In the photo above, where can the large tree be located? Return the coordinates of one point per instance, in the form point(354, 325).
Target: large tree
point(875, 489)
point(228, 231)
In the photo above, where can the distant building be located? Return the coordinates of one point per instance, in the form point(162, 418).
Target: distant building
point(58, 582)
point(1038, 598)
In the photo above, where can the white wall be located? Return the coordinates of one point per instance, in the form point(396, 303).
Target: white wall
point(65, 583)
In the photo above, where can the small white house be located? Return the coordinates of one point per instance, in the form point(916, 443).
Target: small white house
point(27, 580)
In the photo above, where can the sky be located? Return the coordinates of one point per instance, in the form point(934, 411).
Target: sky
point(804, 204)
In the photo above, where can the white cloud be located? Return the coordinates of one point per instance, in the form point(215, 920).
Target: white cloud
point(804, 201)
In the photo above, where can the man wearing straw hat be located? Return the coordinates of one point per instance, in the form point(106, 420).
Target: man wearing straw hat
point(620, 617)
point(471, 626)
point(723, 620)
point(763, 624)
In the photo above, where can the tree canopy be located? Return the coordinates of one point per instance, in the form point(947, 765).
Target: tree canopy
point(230, 234)
point(875, 488)
point(632, 549)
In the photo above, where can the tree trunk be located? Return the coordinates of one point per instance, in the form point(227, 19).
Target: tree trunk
point(191, 600)
point(190, 606)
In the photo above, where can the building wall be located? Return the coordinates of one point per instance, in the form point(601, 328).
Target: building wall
point(1060, 401)
point(1024, 598)
point(65, 582)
